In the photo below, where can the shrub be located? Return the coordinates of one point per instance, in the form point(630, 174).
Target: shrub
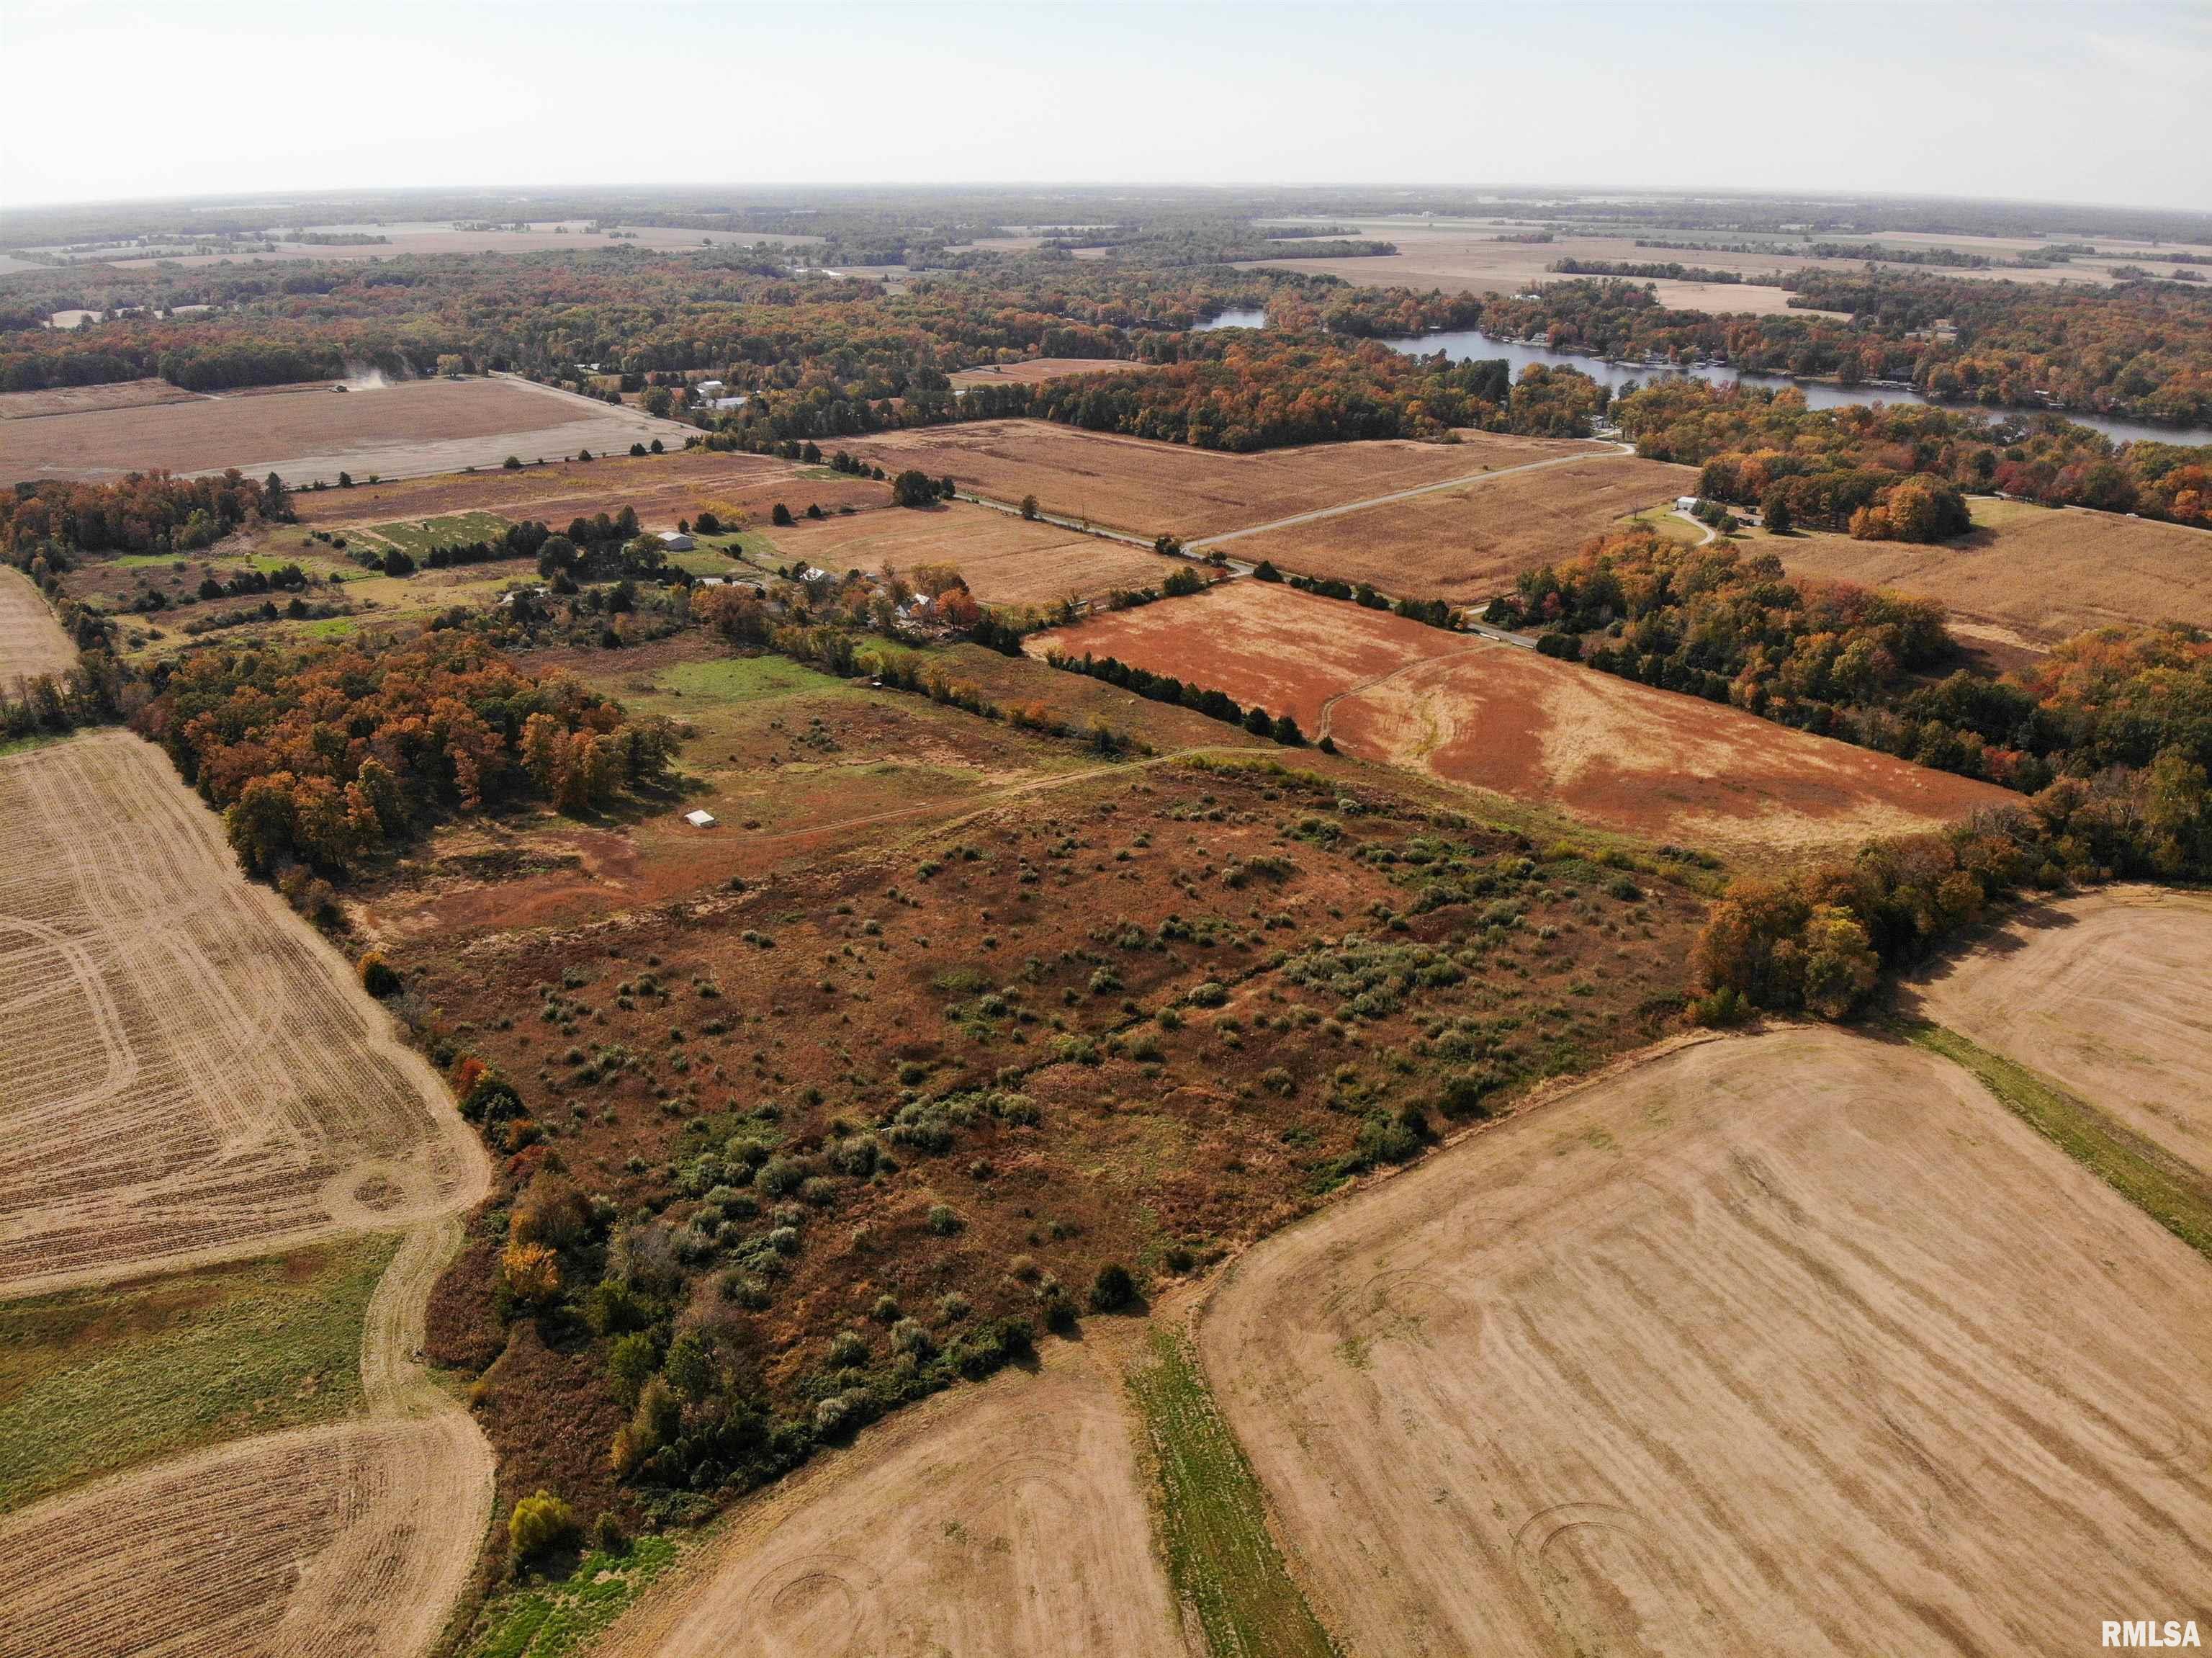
point(539, 1526)
point(531, 1272)
point(1112, 1288)
point(377, 977)
point(943, 1221)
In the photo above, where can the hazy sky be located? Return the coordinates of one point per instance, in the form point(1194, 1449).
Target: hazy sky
point(2084, 102)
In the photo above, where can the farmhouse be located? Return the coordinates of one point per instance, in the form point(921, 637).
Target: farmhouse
point(676, 542)
point(1686, 504)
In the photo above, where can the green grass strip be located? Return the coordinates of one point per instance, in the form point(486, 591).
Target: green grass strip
point(2173, 1193)
point(1213, 1524)
point(546, 1620)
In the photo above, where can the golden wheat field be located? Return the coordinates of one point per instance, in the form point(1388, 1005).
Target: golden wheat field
point(186, 1072)
point(1796, 1343)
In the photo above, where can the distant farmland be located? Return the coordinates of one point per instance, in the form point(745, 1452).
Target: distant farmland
point(1136, 484)
point(1037, 369)
point(310, 432)
point(2042, 573)
point(1468, 545)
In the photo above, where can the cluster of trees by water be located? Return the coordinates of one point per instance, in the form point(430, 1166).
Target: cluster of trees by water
point(2138, 351)
point(1757, 447)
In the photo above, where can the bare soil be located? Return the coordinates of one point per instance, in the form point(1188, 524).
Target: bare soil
point(32, 641)
point(2109, 994)
point(1468, 545)
point(1149, 488)
point(78, 399)
point(1008, 1518)
point(1798, 1343)
point(313, 433)
point(187, 1073)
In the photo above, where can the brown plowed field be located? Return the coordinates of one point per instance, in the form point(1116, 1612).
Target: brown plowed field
point(403, 430)
point(2046, 572)
point(2109, 994)
point(1468, 545)
point(1038, 369)
point(78, 399)
point(1607, 750)
point(1134, 483)
point(1791, 1343)
point(662, 487)
point(186, 1072)
point(1004, 1519)
point(1005, 560)
point(31, 641)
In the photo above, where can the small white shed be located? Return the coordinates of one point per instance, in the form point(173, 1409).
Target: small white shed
point(676, 542)
point(700, 820)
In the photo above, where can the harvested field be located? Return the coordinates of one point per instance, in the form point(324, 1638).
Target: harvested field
point(2109, 995)
point(1005, 560)
point(186, 1072)
point(1468, 545)
point(312, 432)
point(1798, 1343)
point(1004, 1519)
point(662, 487)
point(78, 399)
point(31, 641)
point(1468, 711)
point(338, 1540)
point(1036, 371)
point(2042, 573)
point(1134, 483)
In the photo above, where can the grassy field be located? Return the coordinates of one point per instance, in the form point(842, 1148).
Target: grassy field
point(1213, 1522)
point(415, 539)
point(549, 1620)
point(92, 1380)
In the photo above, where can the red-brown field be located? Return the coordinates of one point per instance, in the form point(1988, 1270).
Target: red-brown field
point(1134, 483)
point(313, 433)
point(1033, 371)
point(1466, 545)
point(1607, 750)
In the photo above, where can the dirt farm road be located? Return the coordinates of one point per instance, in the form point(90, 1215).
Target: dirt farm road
point(1339, 511)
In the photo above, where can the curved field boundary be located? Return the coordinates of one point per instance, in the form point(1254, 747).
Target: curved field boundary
point(330, 1542)
point(187, 1073)
point(1005, 1518)
point(1794, 1342)
point(31, 641)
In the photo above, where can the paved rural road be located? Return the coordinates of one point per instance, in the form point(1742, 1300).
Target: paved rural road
point(1320, 513)
point(1066, 523)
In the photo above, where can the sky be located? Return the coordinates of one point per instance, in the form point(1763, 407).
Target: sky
point(2102, 102)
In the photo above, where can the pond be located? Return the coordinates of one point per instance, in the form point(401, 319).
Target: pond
point(1464, 344)
point(1232, 319)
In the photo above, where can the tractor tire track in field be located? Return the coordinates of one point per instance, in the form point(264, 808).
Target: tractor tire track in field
point(188, 1074)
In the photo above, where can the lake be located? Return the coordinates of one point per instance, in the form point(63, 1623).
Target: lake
point(1232, 319)
point(1463, 344)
